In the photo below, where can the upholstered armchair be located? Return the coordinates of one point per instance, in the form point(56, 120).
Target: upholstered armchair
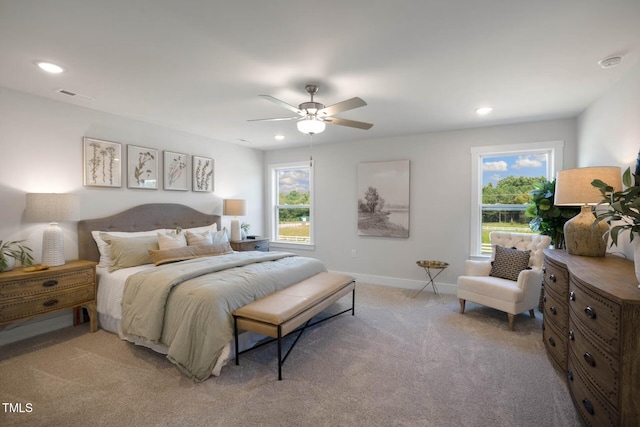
point(511, 280)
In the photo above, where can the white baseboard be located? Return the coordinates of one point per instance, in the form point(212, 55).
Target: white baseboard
point(394, 282)
point(20, 331)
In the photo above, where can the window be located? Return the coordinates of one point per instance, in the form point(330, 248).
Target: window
point(291, 216)
point(502, 177)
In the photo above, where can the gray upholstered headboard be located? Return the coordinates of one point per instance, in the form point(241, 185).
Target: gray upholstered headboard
point(140, 218)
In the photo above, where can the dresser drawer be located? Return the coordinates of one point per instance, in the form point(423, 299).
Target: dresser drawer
point(556, 344)
point(599, 315)
point(556, 278)
point(45, 283)
point(555, 309)
point(594, 409)
point(598, 365)
point(52, 301)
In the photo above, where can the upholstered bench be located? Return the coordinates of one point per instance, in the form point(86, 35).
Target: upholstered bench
point(285, 311)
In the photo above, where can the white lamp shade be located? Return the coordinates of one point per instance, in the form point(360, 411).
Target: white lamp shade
point(573, 186)
point(233, 207)
point(311, 126)
point(51, 207)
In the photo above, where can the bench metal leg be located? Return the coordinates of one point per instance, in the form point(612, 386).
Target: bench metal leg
point(280, 361)
point(235, 333)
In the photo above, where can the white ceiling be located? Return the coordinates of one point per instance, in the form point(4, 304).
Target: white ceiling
point(421, 65)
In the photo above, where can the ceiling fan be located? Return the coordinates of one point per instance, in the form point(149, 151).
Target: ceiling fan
point(312, 116)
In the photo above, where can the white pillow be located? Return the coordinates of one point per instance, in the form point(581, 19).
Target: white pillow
point(105, 250)
point(171, 241)
point(213, 228)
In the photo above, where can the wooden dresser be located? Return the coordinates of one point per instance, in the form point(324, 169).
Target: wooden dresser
point(598, 335)
point(24, 295)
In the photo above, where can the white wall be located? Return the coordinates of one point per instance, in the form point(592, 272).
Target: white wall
point(439, 197)
point(41, 150)
point(41, 144)
point(609, 131)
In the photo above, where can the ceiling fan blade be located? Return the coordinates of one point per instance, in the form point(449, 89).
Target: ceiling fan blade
point(349, 104)
point(275, 119)
point(283, 104)
point(346, 122)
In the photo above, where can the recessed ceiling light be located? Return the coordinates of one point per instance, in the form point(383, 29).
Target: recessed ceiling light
point(279, 137)
point(483, 110)
point(610, 62)
point(50, 67)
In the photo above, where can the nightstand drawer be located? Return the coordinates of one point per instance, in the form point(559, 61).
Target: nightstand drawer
point(251, 245)
point(19, 308)
point(45, 283)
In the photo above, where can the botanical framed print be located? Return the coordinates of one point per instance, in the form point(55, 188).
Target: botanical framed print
point(142, 167)
point(176, 171)
point(202, 174)
point(102, 163)
point(383, 203)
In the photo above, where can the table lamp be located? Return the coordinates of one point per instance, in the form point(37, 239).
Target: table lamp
point(235, 207)
point(573, 188)
point(52, 208)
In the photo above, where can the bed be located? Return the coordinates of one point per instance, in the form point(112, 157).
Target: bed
point(178, 300)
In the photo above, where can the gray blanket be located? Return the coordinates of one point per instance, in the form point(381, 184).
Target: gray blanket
point(187, 306)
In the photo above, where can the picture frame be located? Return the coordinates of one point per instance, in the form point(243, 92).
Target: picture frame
point(176, 171)
point(102, 165)
point(202, 174)
point(142, 167)
point(383, 203)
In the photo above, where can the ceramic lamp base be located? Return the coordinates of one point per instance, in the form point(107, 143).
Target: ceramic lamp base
point(582, 238)
point(235, 230)
point(53, 246)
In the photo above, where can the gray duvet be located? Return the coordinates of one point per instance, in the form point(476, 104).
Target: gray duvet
point(187, 306)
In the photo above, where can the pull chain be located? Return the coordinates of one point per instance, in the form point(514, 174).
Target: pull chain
point(311, 151)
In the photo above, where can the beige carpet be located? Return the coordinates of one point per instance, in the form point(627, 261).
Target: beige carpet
point(398, 362)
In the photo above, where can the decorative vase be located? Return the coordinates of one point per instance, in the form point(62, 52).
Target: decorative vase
point(636, 256)
point(11, 264)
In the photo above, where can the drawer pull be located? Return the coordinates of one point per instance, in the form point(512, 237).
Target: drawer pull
point(571, 336)
point(51, 302)
point(588, 405)
point(552, 277)
point(588, 357)
point(552, 342)
point(553, 310)
point(590, 312)
point(570, 375)
point(572, 296)
point(257, 247)
point(544, 298)
point(49, 283)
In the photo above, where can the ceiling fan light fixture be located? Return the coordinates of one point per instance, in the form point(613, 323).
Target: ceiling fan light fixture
point(311, 125)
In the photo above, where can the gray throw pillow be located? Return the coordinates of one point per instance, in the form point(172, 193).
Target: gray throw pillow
point(509, 262)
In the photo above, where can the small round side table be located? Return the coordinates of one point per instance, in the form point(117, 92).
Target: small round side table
point(429, 265)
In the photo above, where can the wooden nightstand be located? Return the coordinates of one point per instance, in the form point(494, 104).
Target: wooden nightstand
point(259, 244)
point(26, 295)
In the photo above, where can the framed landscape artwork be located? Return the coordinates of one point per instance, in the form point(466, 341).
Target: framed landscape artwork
point(102, 163)
point(142, 167)
point(202, 174)
point(176, 171)
point(383, 199)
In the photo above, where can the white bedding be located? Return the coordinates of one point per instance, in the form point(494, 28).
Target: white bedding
point(110, 291)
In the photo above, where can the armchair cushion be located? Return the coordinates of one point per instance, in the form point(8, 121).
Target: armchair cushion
point(509, 262)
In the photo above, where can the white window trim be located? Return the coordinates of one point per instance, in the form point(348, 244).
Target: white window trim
point(272, 206)
point(555, 150)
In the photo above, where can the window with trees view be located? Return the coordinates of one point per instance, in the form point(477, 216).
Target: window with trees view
point(292, 203)
point(504, 176)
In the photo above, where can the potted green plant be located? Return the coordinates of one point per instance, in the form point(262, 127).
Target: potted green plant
point(13, 251)
point(621, 210)
point(245, 229)
point(546, 218)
